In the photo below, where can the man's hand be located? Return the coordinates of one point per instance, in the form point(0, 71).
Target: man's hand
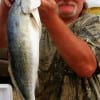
point(47, 9)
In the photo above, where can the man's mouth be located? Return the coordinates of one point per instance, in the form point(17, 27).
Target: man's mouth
point(61, 2)
point(67, 8)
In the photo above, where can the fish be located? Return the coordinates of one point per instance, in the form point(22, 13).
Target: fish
point(23, 36)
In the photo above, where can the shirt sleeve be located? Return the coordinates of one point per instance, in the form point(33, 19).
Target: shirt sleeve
point(88, 29)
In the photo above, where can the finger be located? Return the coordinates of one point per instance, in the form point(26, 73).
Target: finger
point(8, 3)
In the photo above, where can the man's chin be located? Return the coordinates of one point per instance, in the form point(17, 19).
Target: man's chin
point(65, 15)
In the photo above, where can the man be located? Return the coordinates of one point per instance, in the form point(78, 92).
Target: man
point(67, 31)
point(71, 76)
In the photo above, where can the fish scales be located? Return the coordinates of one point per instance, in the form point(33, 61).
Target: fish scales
point(23, 42)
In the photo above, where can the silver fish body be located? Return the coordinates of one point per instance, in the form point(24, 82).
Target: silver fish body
point(24, 33)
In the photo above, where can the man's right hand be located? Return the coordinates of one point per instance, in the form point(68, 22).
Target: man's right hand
point(47, 9)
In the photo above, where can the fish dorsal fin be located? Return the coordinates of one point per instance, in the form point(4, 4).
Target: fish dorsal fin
point(28, 5)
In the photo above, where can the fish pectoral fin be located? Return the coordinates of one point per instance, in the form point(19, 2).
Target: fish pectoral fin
point(36, 17)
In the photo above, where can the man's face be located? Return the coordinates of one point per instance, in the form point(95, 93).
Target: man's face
point(69, 8)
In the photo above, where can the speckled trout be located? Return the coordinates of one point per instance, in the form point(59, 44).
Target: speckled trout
point(24, 32)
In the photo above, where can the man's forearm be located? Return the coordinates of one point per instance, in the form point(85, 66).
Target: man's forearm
point(74, 51)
